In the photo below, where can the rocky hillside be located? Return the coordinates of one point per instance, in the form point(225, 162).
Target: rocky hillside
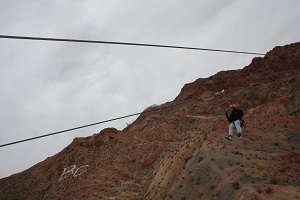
point(178, 150)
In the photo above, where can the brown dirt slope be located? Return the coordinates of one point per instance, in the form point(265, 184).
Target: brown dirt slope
point(179, 151)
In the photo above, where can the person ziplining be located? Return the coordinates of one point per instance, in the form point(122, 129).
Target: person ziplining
point(236, 121)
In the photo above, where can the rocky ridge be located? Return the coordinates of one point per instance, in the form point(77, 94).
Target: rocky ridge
point(178, 151)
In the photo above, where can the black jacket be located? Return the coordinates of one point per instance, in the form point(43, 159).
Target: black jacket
point(233, 116)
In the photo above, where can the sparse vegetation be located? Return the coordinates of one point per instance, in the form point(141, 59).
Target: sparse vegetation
point(269, 190)
point(200, 159)
point(282, 170)
point(274, 181)
point(258, 190)
point(293, 148)
point(236, 185)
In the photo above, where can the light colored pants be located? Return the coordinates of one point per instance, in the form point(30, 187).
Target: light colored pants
point(236, 124)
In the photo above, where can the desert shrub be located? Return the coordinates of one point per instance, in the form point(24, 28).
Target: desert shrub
point(293, 148)
point(258, 190)
point(269, 190)
point(200, 159)
point(274, 181)
point(282, 170)
point(236, 185)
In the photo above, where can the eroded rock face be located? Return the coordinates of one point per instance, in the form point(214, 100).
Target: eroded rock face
point(179, 151)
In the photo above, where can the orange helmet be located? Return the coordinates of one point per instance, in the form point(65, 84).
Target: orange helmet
point(233, 106)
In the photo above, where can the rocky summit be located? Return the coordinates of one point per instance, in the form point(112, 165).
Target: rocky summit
point(178, 150)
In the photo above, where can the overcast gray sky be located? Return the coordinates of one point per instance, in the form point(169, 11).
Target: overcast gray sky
point(52, 86)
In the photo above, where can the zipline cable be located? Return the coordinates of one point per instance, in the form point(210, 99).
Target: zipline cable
point(122, 43)
point(93, 124)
